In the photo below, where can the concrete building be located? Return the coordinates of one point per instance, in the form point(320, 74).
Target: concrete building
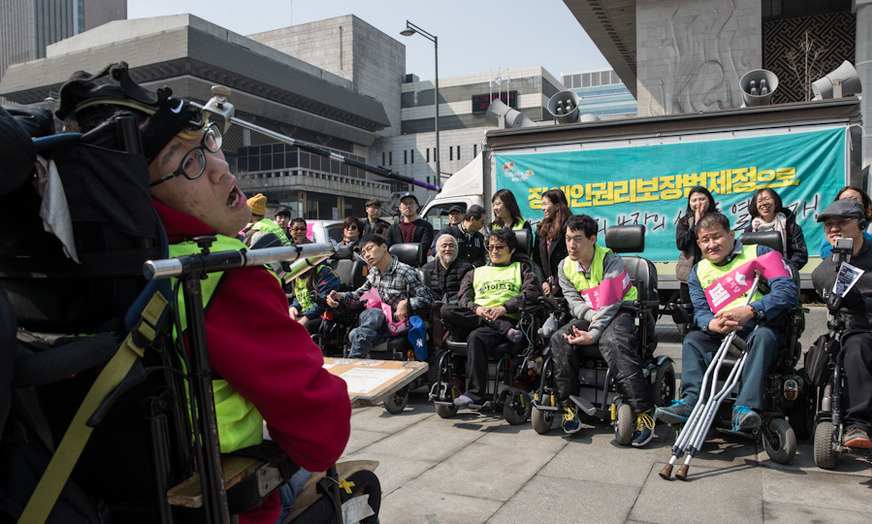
point(270, 89)
point(27, 27)
point(600, 93)
point(679, 56)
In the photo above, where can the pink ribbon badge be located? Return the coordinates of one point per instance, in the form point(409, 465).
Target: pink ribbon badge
point(608, 291)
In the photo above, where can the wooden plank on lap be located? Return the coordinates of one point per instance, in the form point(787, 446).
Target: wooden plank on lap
point(370, 381)
point(187, 494)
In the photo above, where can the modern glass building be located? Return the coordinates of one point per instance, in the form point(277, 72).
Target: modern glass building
point(600, 93)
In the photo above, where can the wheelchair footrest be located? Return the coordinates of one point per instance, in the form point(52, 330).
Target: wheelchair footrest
point(236, 469)
point(584, 405)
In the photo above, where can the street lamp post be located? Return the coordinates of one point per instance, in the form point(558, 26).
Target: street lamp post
point(410, 30)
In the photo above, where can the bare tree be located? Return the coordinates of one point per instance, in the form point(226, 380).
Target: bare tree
point(804, 62)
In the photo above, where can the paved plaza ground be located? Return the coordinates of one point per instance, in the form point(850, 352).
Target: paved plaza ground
point(475, 467)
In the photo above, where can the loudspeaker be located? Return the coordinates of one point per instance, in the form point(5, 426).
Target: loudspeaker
point(564, 107)
point(757, 87)
point(503, 116)
point(842, 81)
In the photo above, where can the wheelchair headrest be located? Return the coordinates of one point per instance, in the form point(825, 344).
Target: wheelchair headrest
point(412, 253)
point(626, 239)
point(525, 242)
point(770, 239)
point(344, 252)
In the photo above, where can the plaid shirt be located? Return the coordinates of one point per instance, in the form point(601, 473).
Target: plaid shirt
point(398, 283)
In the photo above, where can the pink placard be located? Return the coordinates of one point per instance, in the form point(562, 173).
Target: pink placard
point(608, 291)
point(737, 282)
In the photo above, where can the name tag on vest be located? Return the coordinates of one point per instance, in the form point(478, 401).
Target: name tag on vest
point(737, 282)
point(608, 291)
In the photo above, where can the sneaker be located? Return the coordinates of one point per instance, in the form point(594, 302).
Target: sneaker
point(513, 335)
point(676, 413)
point(856, 438)
point(644, 431)
point(462, 401)
point(745, 418)
point(571, 424)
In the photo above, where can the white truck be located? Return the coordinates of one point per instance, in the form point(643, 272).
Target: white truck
point(640, 170)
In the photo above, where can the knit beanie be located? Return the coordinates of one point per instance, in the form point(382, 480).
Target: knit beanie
point(257, 203)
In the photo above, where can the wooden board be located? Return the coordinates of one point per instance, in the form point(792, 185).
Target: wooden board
point(370, 381)
point(235, 468)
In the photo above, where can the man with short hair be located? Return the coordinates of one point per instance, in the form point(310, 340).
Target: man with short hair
point(455, 215)
point(595, 283)
point(410, 228)
point(373, 217)
point(488, 308)
point(283, 220)
point(846, 219)
point(470, 241)
point(258, 230)
point(299, 228)
point(718, 287)
point(398, 286)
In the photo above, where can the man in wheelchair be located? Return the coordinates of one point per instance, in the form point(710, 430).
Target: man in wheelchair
point(717, 287)
point(595, 284)
point(398, 286)
point(489, 302)
point(263, 362)
point(846, 219)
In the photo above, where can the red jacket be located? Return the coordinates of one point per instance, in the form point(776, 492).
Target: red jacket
point(271, 360)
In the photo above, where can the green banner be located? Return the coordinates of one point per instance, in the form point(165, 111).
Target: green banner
point(649, 184)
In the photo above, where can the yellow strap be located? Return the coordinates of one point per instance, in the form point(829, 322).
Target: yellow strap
point(64, 459)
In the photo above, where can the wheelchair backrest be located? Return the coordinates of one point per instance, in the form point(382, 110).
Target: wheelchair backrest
point(344, 252)
point(412, 253)
point(643, 274)
point(525, 242)
point(770, 239)
point(351, 272)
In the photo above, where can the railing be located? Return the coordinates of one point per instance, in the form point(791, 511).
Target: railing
point(317, 180)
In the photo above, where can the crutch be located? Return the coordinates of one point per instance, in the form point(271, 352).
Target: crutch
point(691, 438)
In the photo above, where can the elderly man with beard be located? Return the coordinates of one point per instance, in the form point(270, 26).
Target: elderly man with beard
point(446, 271)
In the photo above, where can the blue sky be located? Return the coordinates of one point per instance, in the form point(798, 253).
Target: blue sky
point(474, 35)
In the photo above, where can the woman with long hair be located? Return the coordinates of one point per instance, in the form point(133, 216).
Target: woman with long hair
point(550, 245)
point(768, 214)
point(507, 213)
point(699, 202)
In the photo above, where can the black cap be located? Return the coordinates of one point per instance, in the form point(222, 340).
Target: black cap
point(406, 195)
point(455, 209)
point(844, 208)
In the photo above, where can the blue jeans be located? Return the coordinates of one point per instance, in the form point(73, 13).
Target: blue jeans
point(371, 331)
point(699, 348)
point(289, 491)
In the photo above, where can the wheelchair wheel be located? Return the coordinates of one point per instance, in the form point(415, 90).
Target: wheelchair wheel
point(663, 390)
point(518, 411)
point(624, 425)
point(542, 420)
point(824, 454)
point(396, 402)
point(782, 447)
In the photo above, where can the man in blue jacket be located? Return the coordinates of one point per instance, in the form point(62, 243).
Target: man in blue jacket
point(718, 289)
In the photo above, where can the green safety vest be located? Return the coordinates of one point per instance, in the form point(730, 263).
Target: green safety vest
point(268, 226)
point(708, 273)
point(495, 285)
point(581, 282)
point(304, 296)
point(240, 425)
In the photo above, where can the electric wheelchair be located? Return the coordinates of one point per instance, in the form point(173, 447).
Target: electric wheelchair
point(598, 398)
point(783, 389)
point(100, 426)
point(513, 367)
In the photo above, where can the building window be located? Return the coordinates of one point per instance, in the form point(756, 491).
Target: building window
point(412, 154)
point(390, 158)
point(405, 157)
point(474, 150)
point(450, 153)
point(458, 152)
point(383, 158)
point(428, 155)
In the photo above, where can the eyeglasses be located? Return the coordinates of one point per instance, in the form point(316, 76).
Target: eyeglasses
point(350, 227)
point(193, 164)
point(496, 247)
point(765, 200)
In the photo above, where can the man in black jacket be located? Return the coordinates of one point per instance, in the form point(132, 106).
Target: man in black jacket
point(410, 228)
point(470, 241)
point(446, 270)
point(846, 219)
